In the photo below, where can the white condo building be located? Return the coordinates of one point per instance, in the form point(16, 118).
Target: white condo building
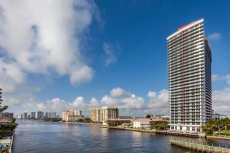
point(189, 70)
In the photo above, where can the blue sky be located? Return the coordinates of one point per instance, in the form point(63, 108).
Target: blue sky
point(59, 55)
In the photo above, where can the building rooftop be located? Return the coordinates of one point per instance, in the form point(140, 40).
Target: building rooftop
point(185, 27)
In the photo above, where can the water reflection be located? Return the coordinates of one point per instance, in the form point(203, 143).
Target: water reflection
point(37, 137)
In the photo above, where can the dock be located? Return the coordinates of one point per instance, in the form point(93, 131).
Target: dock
point(199, 147)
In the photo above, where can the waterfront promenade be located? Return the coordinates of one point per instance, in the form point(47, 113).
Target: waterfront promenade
point(165, 132)
point(199, 147)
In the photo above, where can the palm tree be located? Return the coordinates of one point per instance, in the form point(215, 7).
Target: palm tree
point(211, 125)
point(218, 125)
point(226, 123)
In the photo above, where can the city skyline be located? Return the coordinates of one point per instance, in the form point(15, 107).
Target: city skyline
point(104, 54)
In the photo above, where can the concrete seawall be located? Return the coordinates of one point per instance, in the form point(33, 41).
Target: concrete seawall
point(193, 135)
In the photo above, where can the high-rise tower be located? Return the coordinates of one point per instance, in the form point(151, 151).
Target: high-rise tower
point(189, 70)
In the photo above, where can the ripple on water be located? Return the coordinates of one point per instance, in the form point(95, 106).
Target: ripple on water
point(50, 137)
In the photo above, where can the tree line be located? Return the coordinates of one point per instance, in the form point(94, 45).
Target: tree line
point(217, 126)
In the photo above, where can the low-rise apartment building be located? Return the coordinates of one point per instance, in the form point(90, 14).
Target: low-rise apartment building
point(103, 114)
point(71, 115)
point(145, 123)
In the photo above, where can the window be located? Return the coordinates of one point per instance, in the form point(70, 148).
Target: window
point(188, 128)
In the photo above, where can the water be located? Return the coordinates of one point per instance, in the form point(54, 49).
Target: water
point(55, 137)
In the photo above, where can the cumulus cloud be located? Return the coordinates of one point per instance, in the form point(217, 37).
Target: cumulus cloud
point(110, 53)
point(214, 36)
point(227, 77)
point(159, 102)
point(43, 37)
point(130, 104)
point(151, 94)
point(220, 100)
point(133, 105)
point(216, 77)
point(118, 92)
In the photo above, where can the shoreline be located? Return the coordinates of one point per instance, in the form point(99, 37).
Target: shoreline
point(76, 123)
point(166, 133)
point(218, 137)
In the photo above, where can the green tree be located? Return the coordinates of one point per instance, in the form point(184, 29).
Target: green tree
point(211, 125)
point(80, 120)
point(109, 123)
point(226, 123)
point(5, 127)
point(218, 125)
point(3, 108)
point(160, 125)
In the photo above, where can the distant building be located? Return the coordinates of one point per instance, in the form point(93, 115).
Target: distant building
point(57, 116)
point(5, 120)
point(166, 117)
point(159, 115)
point(103, 113)
point(19, 116)
point(71, 115)
point(52, 115)
point(125, 117)
point(24, 115)
point(222, 116)
point(46, 114)
point(78, 112)
point(39, 114)
point(28, 116)
point(144, 123)
point(216, 116)
point(8, 115)
point(33, 115)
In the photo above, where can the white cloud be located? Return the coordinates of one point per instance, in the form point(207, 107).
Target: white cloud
point(129, 105)
point(214, 36)
point(118, 92)
point(214, 77)
point(159, 102)
point(227, 77)
point(217, 77)
point(11, 76)
point(43, 37)
point(94, 103)
point(151, 94)
point(109, 50)
point(132, 105)
point(221, 100)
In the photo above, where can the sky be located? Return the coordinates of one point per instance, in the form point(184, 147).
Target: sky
point(81, 54)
